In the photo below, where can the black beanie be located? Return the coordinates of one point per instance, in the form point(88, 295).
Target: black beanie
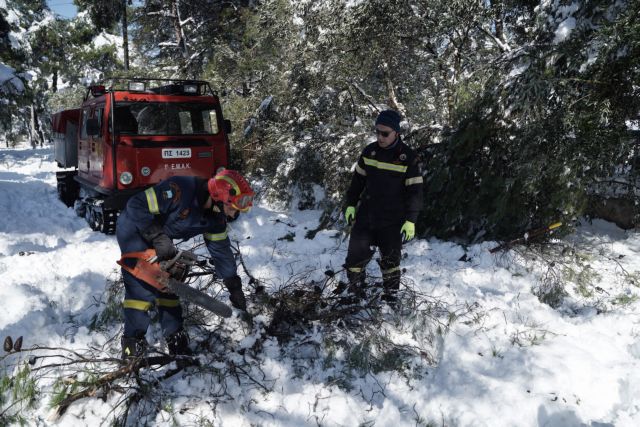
point(389, 118)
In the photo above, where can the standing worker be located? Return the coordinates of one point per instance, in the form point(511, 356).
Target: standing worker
point(388, 185)
point(180, 207)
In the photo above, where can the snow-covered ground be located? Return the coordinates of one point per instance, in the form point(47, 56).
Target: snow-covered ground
point(506, 359)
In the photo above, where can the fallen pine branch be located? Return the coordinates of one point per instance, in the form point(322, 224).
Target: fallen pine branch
point(130, 368)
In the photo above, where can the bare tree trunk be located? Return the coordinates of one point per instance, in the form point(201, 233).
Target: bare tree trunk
point(180, 38)
point(38, 127)
point(393, 99)
point(125, 35)
point(498, 8)
point(32, 127)
point(54, 81)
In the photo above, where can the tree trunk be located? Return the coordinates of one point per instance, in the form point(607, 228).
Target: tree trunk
point(38, 126)
point(393, 99)
point(180, 38)
point(498, 8)
point(54, 81)
point(125, 35)
point(32, 134)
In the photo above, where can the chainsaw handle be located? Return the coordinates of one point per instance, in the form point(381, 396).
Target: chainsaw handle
point(168, 264)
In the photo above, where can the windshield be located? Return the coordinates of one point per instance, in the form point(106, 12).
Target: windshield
point(163, 118)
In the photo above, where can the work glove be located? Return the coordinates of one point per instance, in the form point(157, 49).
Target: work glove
point(162, 243)
point(350, 214)
point(408, 231)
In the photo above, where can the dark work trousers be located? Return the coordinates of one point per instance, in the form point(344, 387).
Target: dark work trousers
point(388, 240)
point(140, 297)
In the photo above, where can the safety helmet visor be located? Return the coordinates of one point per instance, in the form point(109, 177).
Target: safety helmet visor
point(241, 202)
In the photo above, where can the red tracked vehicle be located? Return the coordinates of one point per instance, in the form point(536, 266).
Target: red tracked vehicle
point(123, 140)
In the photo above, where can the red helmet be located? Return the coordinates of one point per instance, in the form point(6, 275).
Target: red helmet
point(230, 188)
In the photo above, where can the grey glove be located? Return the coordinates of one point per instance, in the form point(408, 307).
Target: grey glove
point(155, 236)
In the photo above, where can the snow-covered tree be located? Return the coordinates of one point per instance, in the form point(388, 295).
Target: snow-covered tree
point(550, 120)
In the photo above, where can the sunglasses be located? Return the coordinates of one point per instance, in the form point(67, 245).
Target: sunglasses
point(382, 133)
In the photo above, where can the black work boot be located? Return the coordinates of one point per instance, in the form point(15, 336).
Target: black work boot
point(133, 347)
point(234, 285)
point(390, 286)
point(356, 283)
point(178, 343)
point(354, 288)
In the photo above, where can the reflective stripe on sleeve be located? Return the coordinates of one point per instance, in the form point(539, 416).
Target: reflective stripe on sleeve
point(360, 170)
point(214, 237)
point(384, 166)
point(136, 304)
point(355, 269)
point(152, 201)
point(411, 181)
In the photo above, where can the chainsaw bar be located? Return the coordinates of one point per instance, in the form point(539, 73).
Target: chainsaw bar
point(199, 298)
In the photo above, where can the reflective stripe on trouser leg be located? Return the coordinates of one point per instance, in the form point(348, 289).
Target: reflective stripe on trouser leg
point(136, 314)
point(391, 278)
point(389, 241)
point(355, 277)
point(359, 254)
point(136, 304)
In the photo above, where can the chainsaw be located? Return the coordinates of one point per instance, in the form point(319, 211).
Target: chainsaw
point(168, 276)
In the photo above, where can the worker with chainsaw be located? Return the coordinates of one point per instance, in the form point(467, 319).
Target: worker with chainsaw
point(383, 202)
point(180, 207)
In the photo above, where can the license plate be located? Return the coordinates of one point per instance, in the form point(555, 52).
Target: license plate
point(176, 153)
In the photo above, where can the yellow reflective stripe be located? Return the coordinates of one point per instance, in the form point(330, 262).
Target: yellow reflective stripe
point(214, 237)
point(165, 302)
point(411, 181)
point(384, 166)
point(231, 182)
point(355, 269)
point(391, 270)
point(136, 304)
point(152, 201)
point(360, 170)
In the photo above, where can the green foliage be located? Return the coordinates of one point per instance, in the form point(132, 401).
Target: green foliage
point(61, 389)
point(527, 148)
point(624, 300)
point(512, 122)
point(551, 292)
point(67, 98)
point(18, 392)
point(104, 14)
point(110, 306)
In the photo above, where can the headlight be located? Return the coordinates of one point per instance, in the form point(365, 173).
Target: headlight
point(193, 89)
point(136, 86)
point(145, 171)
point(126, 178)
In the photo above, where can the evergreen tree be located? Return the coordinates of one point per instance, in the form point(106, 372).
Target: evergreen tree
point(526, 152)
point(179, 37)
point(15, 95)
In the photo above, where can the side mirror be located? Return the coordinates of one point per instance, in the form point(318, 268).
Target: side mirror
point(227, 126)
point(93, 127)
